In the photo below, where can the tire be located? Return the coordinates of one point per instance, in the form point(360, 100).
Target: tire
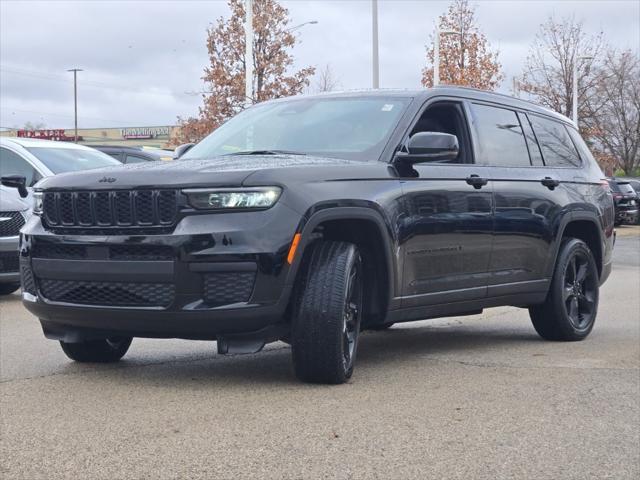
point(97, 351)
point(569, 311)
point(327, 311)
point(8, 288)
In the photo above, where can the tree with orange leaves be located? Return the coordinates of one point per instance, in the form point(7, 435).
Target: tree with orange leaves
point(224, 77)
point(466, 57)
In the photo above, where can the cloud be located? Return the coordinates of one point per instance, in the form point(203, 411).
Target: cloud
point(141, 57)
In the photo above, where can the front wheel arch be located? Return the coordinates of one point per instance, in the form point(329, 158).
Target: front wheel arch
point(365, 228)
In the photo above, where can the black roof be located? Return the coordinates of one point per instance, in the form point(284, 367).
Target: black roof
point(445, 90)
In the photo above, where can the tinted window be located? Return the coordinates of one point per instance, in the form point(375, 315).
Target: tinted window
point(446, 118)
point(626, 188)
point(532, 142)
point(13, 164)
point(614, 186)
point(135, 159)
point(556, 145)
point(583, 149)
point(500, 137)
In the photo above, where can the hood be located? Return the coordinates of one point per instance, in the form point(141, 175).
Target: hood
point(10, 200)
point(227, 171)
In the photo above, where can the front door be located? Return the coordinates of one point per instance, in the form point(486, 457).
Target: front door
point(447, 228)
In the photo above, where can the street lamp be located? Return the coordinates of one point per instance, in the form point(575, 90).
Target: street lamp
point(310, 22)
point(248, 52)
point(574, 104)
point(436, 53)
point(375, 60)
point(75, 100)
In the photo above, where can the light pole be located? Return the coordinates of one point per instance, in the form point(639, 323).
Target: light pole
point(574, 103)
point(436, 53)
point(75, 100)
point(375, 79)
point(310, 22)
point(248, 53)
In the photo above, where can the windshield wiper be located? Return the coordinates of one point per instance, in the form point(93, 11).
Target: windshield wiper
point(266, 152)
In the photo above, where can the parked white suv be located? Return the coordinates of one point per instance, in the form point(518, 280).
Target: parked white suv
point(33, 160)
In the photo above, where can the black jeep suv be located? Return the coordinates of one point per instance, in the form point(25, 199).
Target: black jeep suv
point(309, 219)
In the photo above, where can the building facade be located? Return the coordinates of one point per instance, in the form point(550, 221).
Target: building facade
point(155, 136)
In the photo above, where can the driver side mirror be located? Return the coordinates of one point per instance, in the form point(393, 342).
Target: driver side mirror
point(16, 181)
point(430, 147)
point(181, 150)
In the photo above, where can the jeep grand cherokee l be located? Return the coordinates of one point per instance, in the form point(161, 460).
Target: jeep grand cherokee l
point(308, 219)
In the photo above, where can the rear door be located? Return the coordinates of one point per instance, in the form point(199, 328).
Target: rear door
point(447, 224)
point(528, 198)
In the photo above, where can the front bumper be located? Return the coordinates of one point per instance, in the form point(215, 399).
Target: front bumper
point(9, 272)
point(216, 274)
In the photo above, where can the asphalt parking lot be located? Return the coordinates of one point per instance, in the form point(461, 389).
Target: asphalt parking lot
point(470, 398)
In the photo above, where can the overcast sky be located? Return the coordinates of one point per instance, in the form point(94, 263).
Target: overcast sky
point(141, 59)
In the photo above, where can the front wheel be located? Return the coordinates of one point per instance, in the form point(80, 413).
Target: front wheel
point(327, 313)
point(569, 311)
point(97, 351)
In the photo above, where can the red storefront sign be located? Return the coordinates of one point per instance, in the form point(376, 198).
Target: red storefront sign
point(57, 135)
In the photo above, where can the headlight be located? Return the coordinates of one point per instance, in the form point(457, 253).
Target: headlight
point(37, 203)
point(217, 198)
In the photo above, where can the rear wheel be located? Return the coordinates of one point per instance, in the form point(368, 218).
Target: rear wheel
point(327, 313)
point(569, 312)
point(97, 351)
point(8, 288)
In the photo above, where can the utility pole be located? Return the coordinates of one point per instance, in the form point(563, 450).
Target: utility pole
point(248, 52)
point(75, 100)
point(374, 45)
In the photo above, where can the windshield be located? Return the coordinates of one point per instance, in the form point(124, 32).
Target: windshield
point(353, 128)
point(60, 160)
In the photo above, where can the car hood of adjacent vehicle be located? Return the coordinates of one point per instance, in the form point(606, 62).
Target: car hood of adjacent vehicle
point(224, 171)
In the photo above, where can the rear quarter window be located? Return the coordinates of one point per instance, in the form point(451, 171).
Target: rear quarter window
point(555, 143)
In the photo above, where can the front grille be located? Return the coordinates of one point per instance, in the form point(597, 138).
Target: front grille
point(110, 210)
point(134, 252)
point(118, 294)
point(9, 262)
point(10, 223)
point(228, 287)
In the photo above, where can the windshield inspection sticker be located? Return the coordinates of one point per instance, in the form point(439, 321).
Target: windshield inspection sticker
point(387, 107)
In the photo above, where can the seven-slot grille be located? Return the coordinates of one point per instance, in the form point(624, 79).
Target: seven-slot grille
point(110, 209)
point(10, 223)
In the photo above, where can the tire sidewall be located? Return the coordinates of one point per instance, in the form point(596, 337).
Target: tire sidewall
point(568, 250)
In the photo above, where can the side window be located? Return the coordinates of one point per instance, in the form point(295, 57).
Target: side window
point(500, 137)
point(13, 164)
point(556, 145)
point(583, 150)
point(116, 155)
point(446, 117)
point(532, 142)
point(135, 159)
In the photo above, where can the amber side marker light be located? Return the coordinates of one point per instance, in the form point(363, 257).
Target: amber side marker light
point(293, 248)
